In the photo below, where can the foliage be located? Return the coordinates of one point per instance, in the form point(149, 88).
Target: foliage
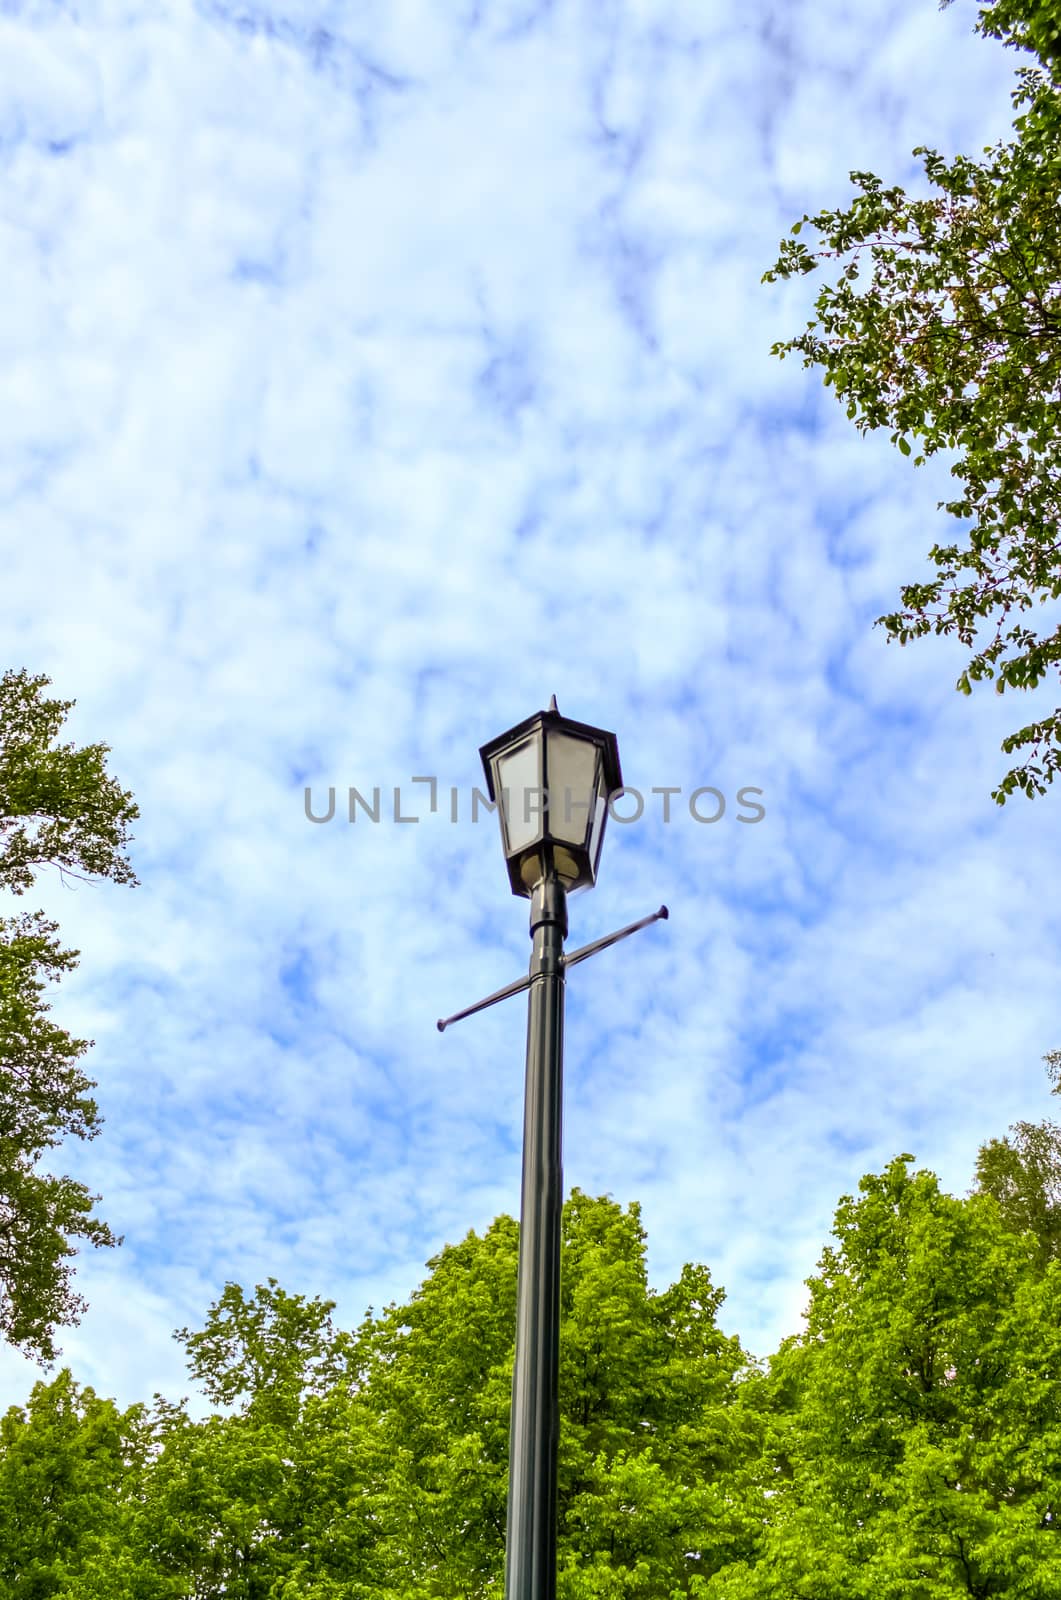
point(1026, 24)
point(916, 1442)
point(954, 344)
point(1023, 1175)
point(375, 1464)
point(269, 1352)
point(654, 1441)
point(648, 1432)
point(71, 1473)
point(44, 1096)
point(59, 807)
point(905, 1446)
point(266, 1501)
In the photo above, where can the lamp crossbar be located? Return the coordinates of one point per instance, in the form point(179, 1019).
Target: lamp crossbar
point(571, 960)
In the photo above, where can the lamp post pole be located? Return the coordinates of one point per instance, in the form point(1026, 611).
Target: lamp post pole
point(570, 771)
point(530, 1544)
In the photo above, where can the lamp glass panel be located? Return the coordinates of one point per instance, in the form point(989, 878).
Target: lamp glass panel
point(572, 776)
point(519, 780)
point(600, 811)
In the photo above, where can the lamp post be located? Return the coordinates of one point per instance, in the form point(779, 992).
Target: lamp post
point(552, 780)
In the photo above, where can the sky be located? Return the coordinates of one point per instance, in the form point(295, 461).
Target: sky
point(373, 372)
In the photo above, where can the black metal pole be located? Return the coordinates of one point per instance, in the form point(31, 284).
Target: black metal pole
point(530, 1546)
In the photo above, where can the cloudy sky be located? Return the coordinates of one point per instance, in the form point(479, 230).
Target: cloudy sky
point(372, 372)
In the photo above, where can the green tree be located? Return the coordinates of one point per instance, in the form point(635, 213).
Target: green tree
point(915, 1449)
point(60, 808)
point(1027, 24)
point(44, 1097)
point(905, 1446)
point(652, 1440)
point(374, 1466)
point(431, 1408)
point(267, 1502)
point(269, 1352)
point(654, 1443)
point(1023, 1174)
point(58, 804)
point(953, 342)
point(71, 1475)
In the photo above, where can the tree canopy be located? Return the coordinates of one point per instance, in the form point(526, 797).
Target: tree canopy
point(915, 1452)
point(905, 1445)
point(944, 326)
point(59, 807)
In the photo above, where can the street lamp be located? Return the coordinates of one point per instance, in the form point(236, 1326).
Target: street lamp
point(552, 780)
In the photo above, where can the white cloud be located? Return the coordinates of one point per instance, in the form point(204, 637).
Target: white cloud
point(372, 374)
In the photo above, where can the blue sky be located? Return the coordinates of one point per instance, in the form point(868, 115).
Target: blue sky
point(373, 372)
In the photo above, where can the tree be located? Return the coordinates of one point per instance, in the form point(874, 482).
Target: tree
point(1028, 24)
point(652, 1440)
point(71, 1475)
point(905, 1446)
point(58, 807)
point(43, 1097)
point(374, 1465)
point(270, 1500)
point(270, 1352)
point(916, 1442)
point(1023, 1175)
point(288, 1496)
point(954, 343)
